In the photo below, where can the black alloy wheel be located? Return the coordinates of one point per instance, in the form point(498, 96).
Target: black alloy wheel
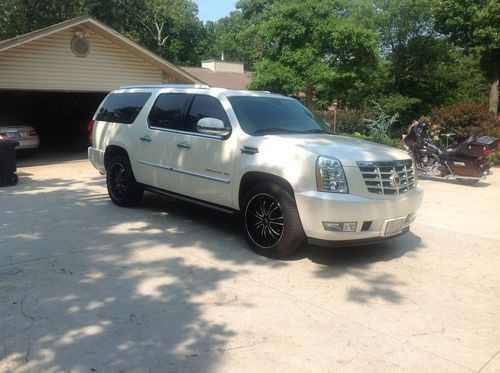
point(270, 221)
point(264, 220)
point(122, 187)
point(118, 182)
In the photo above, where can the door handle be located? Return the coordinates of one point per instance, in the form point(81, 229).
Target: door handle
point(145, 138)
point(184, 145)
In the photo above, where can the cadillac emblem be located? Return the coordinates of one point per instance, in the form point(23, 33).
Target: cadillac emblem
point(395, 180)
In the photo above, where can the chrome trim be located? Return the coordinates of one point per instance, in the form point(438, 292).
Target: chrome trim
point(380, 177)
point(155, 86)
point(218, 137)
point(249, 150)
point(183, 171)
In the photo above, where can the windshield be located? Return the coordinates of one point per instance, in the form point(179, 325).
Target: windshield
point(267, 115)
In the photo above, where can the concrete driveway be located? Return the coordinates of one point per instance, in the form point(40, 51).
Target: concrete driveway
point(87, 286)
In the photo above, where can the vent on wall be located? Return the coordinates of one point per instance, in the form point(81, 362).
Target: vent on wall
point(80, 45)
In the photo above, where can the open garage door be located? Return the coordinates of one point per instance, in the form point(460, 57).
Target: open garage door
point(60, 118)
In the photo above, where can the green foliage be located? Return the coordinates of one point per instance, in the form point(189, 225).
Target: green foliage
point(465, 119)
point(474, 26)
point(494, 157)
point(312, 45)
point(385, 140)
point(350, 121)
point(379, 126)
point(170, 28)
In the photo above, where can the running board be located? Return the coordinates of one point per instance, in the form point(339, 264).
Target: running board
point(195, 201)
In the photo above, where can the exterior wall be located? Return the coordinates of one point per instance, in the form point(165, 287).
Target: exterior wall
point(224, 66)
point(48, 63)
point(208, 65)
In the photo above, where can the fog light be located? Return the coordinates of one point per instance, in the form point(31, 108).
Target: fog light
point(340, 227)
point(349, 227)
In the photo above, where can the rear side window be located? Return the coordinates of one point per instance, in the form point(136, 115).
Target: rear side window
point(168, 111)
point(122, 107)
point(202, 107)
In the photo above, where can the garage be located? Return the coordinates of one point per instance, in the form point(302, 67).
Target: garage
point(55, 78)
point(60, 118)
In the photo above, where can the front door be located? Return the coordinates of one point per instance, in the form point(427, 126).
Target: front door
point(204, 163)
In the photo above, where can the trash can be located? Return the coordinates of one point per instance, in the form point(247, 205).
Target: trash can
point(8, 162)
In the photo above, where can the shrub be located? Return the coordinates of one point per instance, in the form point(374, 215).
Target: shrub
point(348, 120)
point(466, 118)
point(386, 140)
point(379, 126)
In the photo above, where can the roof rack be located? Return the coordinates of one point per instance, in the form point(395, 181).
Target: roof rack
point(204, 86)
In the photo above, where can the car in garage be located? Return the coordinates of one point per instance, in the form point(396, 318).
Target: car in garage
point(15, 129)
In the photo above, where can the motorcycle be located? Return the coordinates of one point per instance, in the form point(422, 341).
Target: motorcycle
point(466, 162)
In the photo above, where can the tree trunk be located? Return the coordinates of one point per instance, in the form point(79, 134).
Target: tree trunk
point(309, 95)
point(494, 88)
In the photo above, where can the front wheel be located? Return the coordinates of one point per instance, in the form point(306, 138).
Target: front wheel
point(271, 222)
point(122, 187)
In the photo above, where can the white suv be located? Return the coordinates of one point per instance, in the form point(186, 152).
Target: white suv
point(263, 155)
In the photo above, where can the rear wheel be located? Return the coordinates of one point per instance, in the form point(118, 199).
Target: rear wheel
point(271, 222)
point(122, 187)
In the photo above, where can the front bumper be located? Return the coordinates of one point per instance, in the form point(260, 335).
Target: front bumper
point(318, 207)
point(25, 144)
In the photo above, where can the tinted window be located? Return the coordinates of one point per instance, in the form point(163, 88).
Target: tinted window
point(264, 115)
point(122, 107)
point(202, 107)
point(168, 110)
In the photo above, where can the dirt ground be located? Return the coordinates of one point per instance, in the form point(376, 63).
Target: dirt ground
point(87, 286)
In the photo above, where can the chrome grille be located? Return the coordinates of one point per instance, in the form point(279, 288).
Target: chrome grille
point(393, 178)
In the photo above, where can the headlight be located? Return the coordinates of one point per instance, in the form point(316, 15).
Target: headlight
point(330, 176)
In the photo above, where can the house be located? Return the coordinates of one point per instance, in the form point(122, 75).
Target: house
point(220, 73)
point(54, 78)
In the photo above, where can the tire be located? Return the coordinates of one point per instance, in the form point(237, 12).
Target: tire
point(270, 221)
point(13, 179)
point(468, 181)
point(122, 188)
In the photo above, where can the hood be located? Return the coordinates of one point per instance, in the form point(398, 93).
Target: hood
point(347, 150)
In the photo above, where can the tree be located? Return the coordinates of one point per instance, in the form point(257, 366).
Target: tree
point(235, 37)
point(312, 46)
point(171, 28)
point(475, 26)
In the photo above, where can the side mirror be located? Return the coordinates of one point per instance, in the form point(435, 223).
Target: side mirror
point(212, 126)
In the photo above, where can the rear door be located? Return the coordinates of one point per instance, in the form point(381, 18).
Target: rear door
point(156, 141)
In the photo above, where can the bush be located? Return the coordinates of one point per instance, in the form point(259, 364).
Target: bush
point(386, 140)
point(348, 120)
point(378, 128)
point(466, 118)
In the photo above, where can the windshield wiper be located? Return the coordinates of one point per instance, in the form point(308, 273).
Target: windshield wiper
point(286, 130)
point(315, 131)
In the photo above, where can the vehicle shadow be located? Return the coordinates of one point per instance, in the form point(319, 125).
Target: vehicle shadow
point(481, 184)
point(91, 286)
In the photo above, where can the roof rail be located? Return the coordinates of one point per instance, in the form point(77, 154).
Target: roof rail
point(204, 86)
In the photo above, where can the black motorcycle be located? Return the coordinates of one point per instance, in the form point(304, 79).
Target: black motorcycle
point(465, 162)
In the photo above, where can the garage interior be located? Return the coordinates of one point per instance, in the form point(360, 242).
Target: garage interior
point(60, 118)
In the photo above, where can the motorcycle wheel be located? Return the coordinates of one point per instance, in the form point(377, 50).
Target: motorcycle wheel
point(468, 181)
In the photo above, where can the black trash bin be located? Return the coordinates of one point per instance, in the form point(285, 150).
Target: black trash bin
point(8, 162)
